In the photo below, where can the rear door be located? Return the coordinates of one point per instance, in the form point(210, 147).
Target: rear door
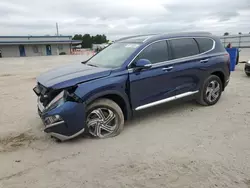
point(187, 64)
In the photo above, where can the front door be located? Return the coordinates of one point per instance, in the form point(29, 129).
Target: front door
point(48, 50)
point(22, 51)
point(151, 85)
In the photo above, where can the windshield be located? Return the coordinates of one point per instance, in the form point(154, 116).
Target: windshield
point(114, 55)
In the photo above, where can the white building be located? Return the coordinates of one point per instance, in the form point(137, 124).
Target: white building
point(20, 46)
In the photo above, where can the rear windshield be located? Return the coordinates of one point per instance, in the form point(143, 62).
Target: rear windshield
point(114, 55)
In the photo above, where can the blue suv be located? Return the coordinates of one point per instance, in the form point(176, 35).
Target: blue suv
point(133, 73)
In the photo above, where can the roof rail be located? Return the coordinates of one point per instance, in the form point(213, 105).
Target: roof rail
point(189, 32)
point(201, 32)
point(129, 37)
point(173, 33)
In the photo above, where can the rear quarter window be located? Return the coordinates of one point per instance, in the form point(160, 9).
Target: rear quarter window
point(205, 44)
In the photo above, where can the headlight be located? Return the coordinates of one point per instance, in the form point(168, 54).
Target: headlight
point(248, 62)
point(58, 100)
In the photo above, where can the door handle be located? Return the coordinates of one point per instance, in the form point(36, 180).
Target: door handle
point(167, 68)
point(204, 61)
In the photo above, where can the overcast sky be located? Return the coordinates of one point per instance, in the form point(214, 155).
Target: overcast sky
point(117, 18)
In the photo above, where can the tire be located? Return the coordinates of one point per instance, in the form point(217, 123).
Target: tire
point(248, 74)
point(206, 93)
point(104, 118)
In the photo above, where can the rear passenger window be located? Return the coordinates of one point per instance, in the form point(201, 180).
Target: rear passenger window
point(156, 52)
point(205, 44)
point(184, 47)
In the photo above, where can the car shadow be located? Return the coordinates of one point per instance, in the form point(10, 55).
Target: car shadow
point(165, 109)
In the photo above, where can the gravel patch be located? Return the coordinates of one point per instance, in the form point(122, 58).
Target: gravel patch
point(180, 144)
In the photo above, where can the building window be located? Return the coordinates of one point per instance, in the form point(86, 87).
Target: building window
point(60, 47)
point(35, 49)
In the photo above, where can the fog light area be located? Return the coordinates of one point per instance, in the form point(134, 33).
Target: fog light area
point(52, 119)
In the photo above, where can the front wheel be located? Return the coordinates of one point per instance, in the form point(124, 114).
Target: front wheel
point(248, 74)
point(104, 118)
point(211, 91)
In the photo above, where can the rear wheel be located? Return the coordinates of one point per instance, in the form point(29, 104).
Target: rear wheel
point(104, 118)
point(211, 91)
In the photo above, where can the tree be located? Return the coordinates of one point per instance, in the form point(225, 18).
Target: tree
point(77, 37)
point(99, 39)
point(86, 41)
point(104, 38)
point(226, 34)
point(92, 39)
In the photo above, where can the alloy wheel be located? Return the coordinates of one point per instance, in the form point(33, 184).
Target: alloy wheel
point(102, 122)
point(213, 91)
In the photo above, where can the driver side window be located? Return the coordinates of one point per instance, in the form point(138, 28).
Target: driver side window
point(155, 53)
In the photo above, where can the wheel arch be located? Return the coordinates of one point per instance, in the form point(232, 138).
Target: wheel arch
point(119, 98)
point(221, 75)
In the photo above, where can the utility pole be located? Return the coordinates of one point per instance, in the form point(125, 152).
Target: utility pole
point(57, 30)
point(57, 34)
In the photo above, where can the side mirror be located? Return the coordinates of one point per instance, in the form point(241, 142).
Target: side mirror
point(143, 64)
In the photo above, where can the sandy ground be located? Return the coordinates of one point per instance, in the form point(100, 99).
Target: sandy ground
point(174, 145)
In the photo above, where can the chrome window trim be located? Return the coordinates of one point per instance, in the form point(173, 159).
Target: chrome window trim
point(172, 62)
point(166, 100)
point(183, 58)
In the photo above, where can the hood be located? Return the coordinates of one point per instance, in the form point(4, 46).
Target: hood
point(70, 75)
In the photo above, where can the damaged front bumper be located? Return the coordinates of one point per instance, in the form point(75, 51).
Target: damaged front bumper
point(71, 122)
point(63, 119)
